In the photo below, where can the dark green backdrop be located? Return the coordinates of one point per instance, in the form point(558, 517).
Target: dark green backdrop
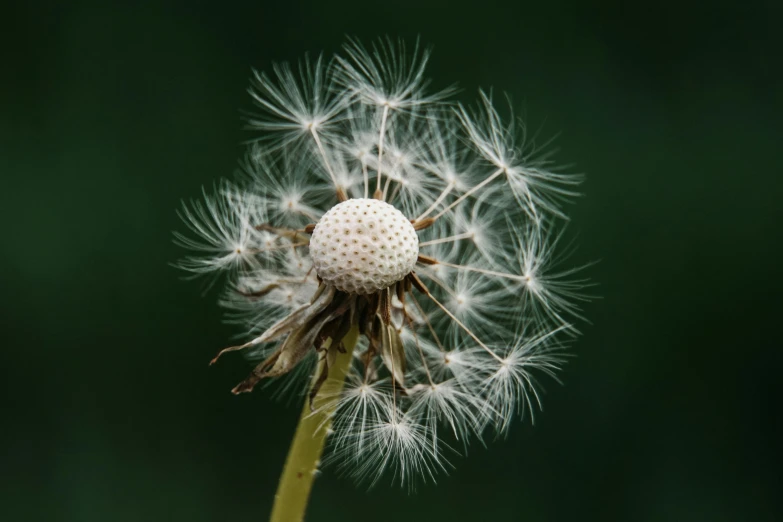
point(112, 113)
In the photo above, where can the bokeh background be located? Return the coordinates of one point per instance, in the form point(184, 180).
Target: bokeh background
point(113, 112)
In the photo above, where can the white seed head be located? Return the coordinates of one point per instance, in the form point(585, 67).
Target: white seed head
point(361, 246)
point(456, 355)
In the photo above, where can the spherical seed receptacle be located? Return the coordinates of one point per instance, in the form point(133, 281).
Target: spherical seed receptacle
point(361, 246)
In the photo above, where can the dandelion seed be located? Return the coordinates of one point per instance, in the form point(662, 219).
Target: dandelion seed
point(518, 161)
point(294, 104)
point(224, 238)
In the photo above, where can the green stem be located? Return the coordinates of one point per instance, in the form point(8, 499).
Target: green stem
point(301, 465)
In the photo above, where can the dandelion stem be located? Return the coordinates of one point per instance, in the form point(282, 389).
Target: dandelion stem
point(301, 465)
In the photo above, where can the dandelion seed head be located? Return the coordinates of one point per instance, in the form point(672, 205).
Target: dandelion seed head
point(363, 245)
point(368, 202)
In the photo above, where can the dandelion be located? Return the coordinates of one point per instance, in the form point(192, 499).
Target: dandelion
point(394, 255)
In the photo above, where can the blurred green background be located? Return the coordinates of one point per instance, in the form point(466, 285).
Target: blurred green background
point(113, 112)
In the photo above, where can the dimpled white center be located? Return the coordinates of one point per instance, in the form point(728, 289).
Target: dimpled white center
point(361, 246)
